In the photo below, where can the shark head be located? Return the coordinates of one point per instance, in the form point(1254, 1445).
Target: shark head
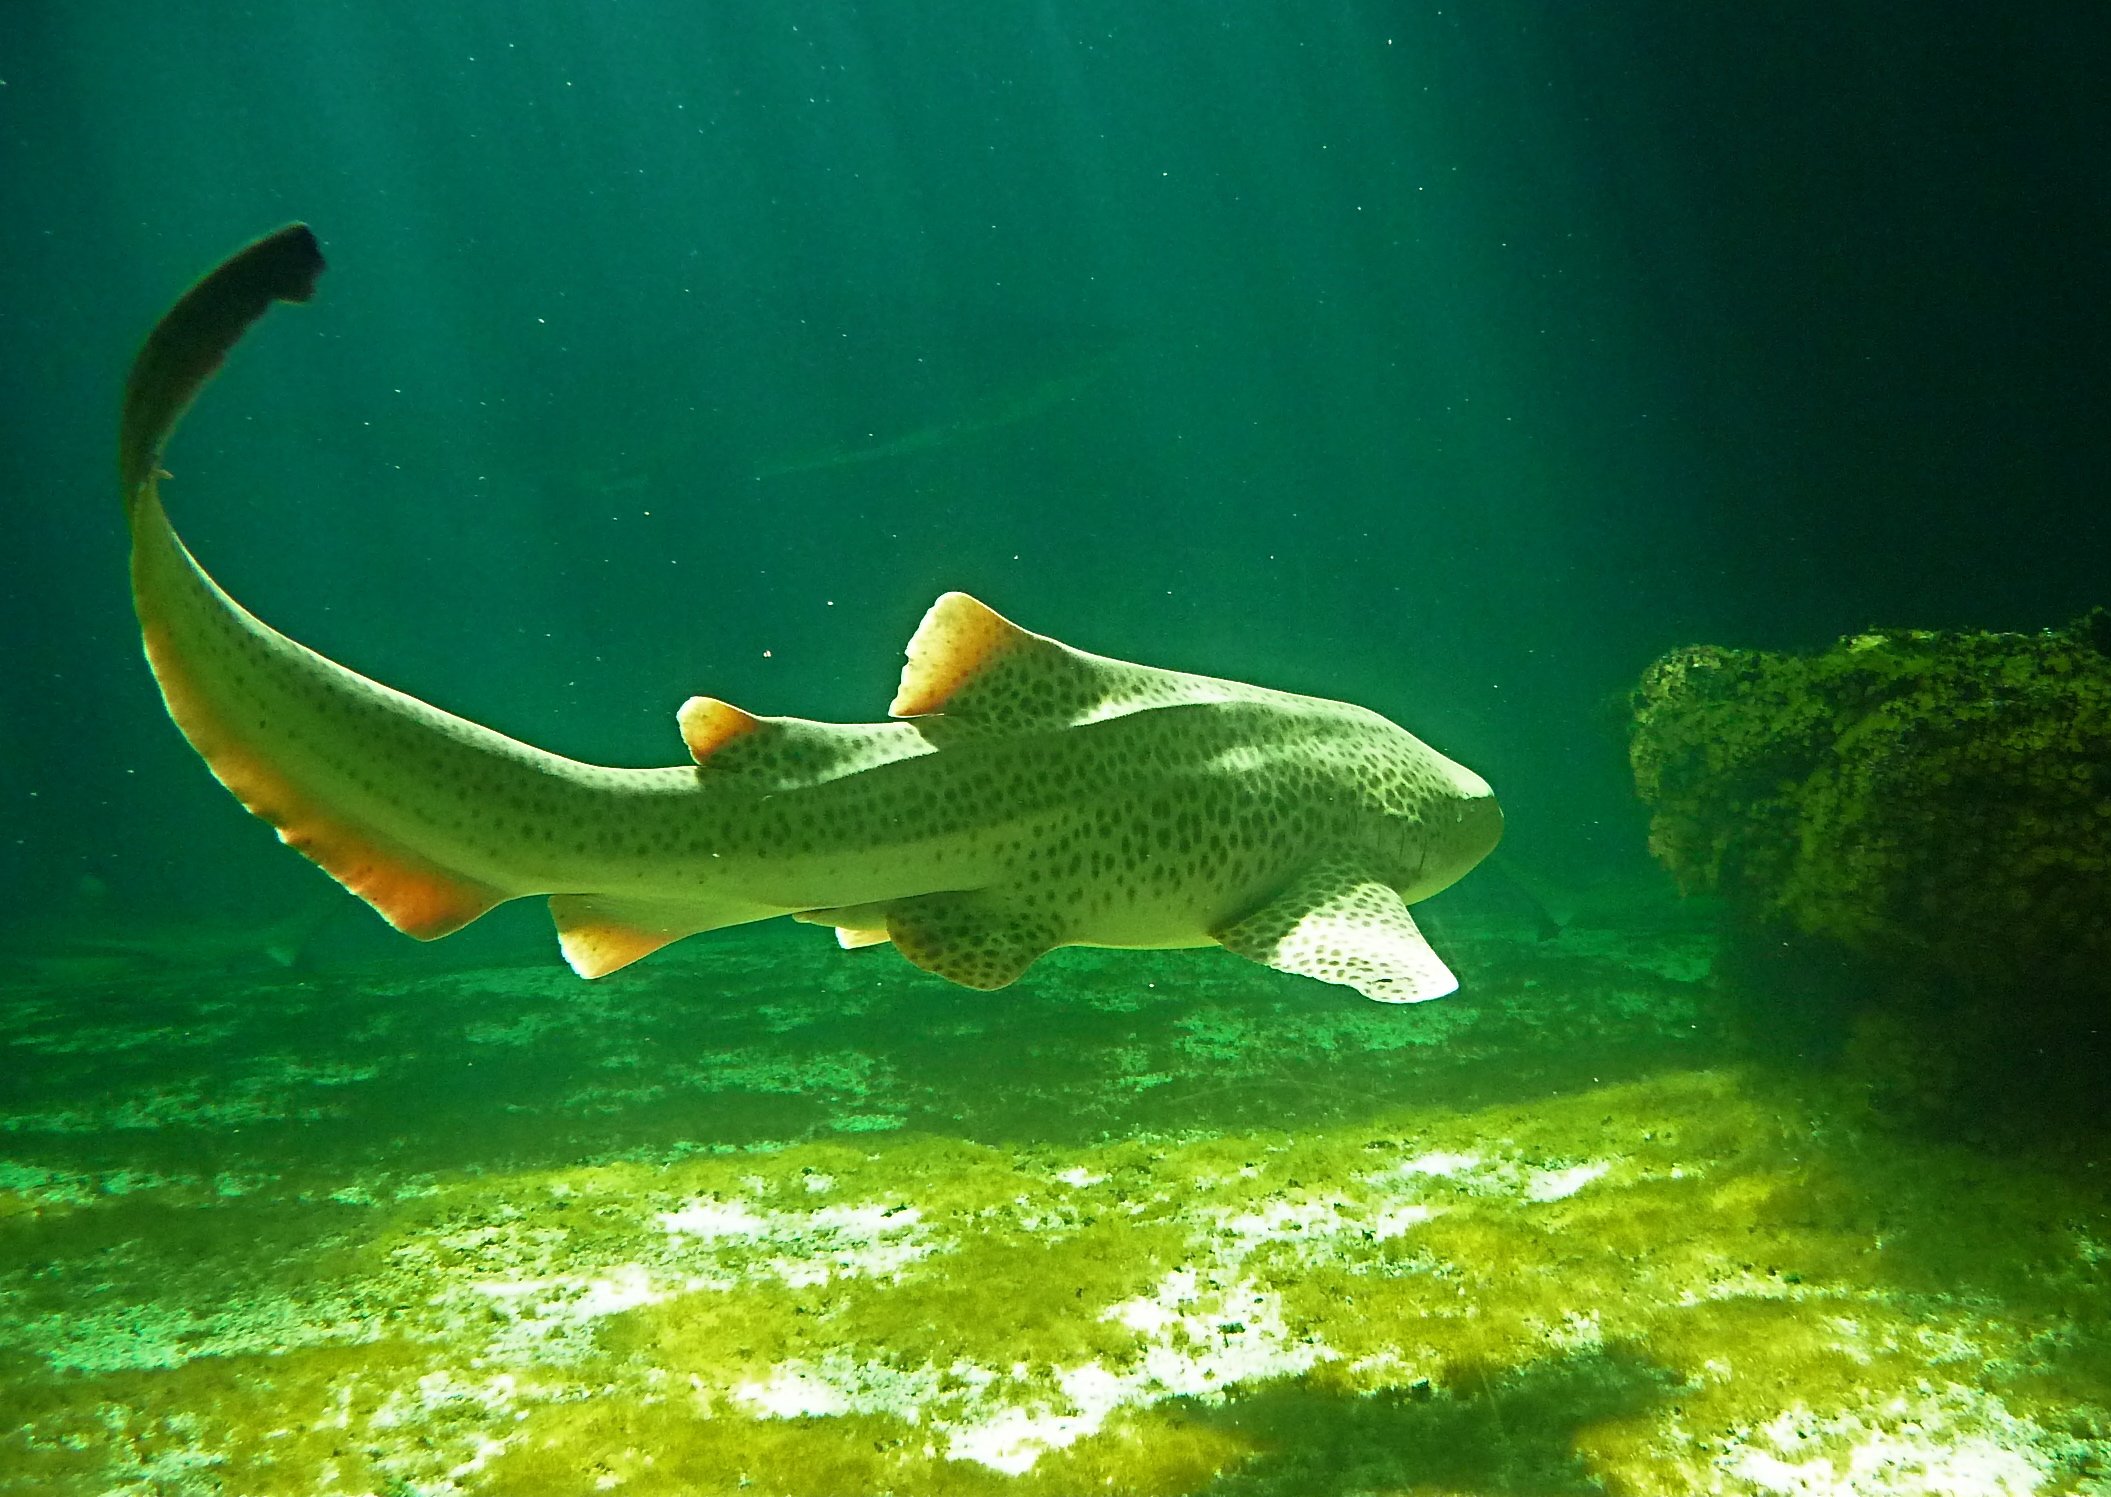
point(1437, 841)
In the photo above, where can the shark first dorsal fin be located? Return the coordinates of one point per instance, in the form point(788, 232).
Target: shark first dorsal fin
point(964, 650)
point(1339, 924)
point(979, 671)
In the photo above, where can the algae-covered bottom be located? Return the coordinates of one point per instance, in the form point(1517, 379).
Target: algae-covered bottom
point(763, 1216)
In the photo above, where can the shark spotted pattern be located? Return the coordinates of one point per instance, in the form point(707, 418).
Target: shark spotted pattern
point(1027, 795)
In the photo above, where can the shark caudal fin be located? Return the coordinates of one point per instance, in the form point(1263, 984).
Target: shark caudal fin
point(376, 787)
point(194, 337)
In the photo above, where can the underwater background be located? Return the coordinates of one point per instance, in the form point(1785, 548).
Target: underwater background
point(1454, 360)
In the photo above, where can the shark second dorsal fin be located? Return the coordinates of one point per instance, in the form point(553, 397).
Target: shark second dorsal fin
point(788, 753)
point(980, 672)
point(708, 725)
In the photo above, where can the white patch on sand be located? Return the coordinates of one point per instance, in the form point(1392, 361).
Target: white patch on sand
point(1398, 1221)
point(1559, 1185)
point(1439, 1163)
point(839, 1384)
point(1196, 1339)
point(1298, 1221)
point(808, 1247)
point(1483, 1175)
point(1955, 1442)
point(552, 1318)
point(1199, 1340)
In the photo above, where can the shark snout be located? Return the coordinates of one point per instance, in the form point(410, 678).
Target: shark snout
point(1480, 824)
point(1443, 845)
point(1476, 824)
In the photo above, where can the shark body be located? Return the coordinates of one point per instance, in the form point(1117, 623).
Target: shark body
point(1027, 795)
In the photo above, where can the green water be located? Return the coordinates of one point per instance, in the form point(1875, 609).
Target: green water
point(1452, 360)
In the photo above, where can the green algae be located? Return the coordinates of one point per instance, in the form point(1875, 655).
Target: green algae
point(1903, 791)
point(1576, 1246)
point(1911, 831)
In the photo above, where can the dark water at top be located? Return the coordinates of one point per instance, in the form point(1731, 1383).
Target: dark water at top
point(1455, 360)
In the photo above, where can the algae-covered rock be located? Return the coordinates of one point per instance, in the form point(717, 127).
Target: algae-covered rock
point(1933, 809)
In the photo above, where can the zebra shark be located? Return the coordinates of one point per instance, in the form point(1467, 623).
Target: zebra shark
point(1024, 796)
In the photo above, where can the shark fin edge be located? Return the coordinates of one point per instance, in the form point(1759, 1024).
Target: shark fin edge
point(967, 938)
point(413, 893)
point(786, 753)
point(972, 671)
point(856, 926)
point(1339, 925)
point(599, 936)
point(603, 933)
point(193, 338)
point(959, 639)
point(708, 725)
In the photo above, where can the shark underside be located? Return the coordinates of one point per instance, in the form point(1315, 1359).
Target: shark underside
point(1026, 796)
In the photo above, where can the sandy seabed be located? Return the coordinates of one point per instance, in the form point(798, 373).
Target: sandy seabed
point(761, 1216)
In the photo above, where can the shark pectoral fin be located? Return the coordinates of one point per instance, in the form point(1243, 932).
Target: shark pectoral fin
point(1339, 925)
point(969, 938)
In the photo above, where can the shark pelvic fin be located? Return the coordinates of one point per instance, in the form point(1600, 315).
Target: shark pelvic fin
point(968, 938)
point(857, 926)
point(1338, 924)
